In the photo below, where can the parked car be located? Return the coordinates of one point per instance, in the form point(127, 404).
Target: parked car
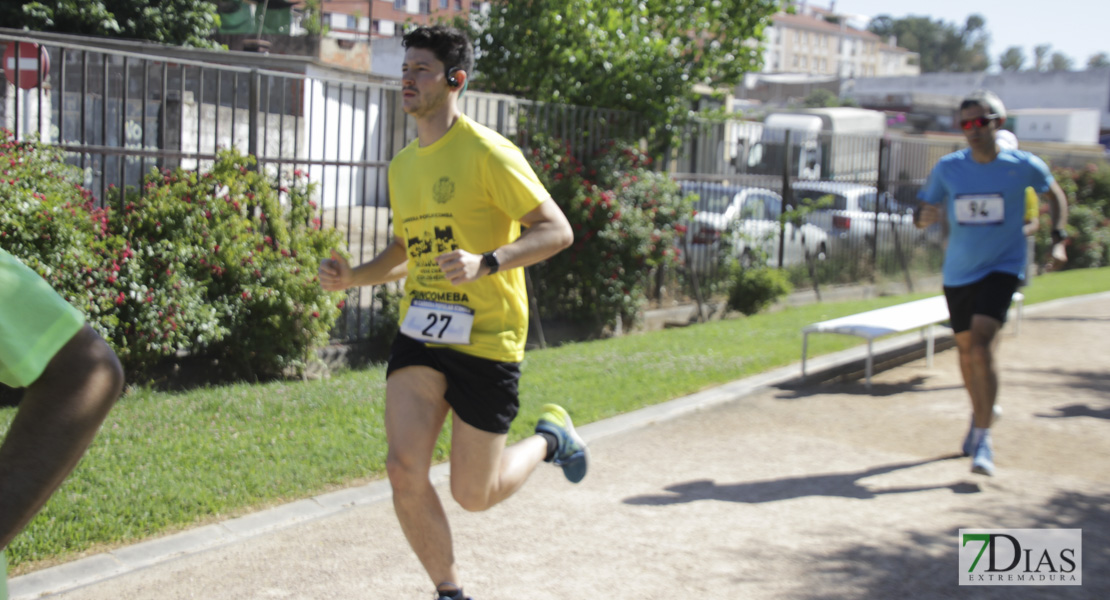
point(850, 219)
point(744, 221)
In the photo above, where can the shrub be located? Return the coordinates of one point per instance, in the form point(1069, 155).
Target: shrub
point(1088, 243)
point(1088, 191)
point(212, 264)
point(1089, 186)
point(625, 218)
point(751, 290)
point(254, 261)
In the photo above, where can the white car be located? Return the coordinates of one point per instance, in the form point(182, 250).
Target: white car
point(851, 218)
point(745, 221)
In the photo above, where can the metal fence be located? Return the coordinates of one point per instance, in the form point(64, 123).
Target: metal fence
point(746, 177)
point(120, 114)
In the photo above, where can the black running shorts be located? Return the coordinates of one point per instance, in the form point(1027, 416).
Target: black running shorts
point(990, 296)
point(482, 392)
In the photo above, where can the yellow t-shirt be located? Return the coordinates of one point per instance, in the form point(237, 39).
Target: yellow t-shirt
point(1032, 205)
point(468, 190)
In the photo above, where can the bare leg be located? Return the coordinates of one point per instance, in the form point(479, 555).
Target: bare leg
point(414, 416)
point(483, 471)
point(977, 348)
point(57, 420)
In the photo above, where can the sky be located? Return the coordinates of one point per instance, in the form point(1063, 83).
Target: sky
point(1077, 28)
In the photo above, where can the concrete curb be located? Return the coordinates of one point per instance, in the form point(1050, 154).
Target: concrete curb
point(100, 567)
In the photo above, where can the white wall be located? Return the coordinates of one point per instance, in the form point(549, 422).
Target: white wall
point(1066, 89)
point(339, 130)
point(1075, 126)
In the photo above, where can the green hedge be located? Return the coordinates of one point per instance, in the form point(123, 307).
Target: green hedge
point(625, 218)
point(220, 264)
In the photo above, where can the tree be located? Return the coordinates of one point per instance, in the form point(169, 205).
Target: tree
point(1040, 54)
point(1012, 59)
point(1060, 62)
point(1098, 61)
point(639, 55)
point(942, 46)
point(821, 98)
point(313, 22)
point(174, 22)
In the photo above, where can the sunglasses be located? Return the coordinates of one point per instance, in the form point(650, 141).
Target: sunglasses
point(982, 121)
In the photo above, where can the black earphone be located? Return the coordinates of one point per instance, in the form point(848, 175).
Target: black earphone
point(451, 80)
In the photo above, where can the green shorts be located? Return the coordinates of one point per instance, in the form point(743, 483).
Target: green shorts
point(35, 322)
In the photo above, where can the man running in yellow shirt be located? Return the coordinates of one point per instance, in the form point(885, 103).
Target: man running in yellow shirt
point(460, 194)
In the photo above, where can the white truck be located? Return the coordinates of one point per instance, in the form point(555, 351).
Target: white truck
point(839, 143)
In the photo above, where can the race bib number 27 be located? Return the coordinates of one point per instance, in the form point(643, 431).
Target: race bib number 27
point(981, 209)
point(438, 322)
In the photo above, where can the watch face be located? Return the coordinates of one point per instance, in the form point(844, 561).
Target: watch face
point(491, 261)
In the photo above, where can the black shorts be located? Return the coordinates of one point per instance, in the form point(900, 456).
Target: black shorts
point(482, 392)
point(990, 296)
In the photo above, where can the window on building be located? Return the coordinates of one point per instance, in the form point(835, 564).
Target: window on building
point(352, 22)
point(425, 7)
point(458, 4)
point(399, 4)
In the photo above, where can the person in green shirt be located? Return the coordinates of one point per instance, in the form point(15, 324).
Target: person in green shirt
point(72, 379)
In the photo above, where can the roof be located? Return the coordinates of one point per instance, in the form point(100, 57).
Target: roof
point(815, 24)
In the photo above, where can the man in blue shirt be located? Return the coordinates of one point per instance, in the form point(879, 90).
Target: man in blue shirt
point(982, 192)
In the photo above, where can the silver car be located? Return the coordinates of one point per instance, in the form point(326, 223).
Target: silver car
point(743, 223)
point(851, 218)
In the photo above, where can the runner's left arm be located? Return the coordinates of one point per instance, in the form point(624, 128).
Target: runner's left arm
point(547, 233)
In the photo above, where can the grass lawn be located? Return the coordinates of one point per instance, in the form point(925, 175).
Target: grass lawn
point(169, 461)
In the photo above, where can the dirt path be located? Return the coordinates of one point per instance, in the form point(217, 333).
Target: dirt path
point(788, 493)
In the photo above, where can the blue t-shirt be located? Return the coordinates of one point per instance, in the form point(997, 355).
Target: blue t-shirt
point(985, 207)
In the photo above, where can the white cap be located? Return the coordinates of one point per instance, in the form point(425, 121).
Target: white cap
point(1006, 139)
point(988, 100)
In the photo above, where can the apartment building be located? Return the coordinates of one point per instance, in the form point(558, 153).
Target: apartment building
point(818, 42)
point(359, 19)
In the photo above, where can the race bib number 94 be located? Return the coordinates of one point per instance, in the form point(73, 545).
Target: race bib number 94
point(983, 209)
point(438, 322)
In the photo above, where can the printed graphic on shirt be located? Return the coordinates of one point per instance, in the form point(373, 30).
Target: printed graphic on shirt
point(426, 241)
point(443, 190)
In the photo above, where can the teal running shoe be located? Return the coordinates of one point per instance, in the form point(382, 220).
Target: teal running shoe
point(570, 453)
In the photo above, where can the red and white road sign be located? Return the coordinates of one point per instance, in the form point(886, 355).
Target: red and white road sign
point(31, 70)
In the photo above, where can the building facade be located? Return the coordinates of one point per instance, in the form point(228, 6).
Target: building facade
point(818, 42)
point(361, 19)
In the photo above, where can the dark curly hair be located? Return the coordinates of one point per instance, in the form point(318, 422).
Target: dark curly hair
point(451, 46)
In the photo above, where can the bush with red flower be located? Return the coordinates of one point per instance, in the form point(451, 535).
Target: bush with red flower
point(221, 264)
point(625, 218)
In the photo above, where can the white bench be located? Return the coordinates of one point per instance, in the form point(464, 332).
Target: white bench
point(900, 318)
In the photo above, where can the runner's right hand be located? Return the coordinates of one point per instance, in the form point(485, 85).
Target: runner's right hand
point(334, 273)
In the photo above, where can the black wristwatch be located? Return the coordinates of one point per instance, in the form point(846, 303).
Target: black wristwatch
point(1059, 235)
point(490, 260)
